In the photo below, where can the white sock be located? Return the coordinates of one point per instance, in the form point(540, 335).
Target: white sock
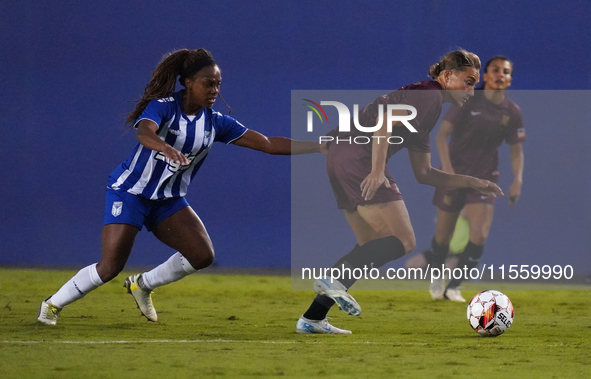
point(76, 288)
point(175, 268)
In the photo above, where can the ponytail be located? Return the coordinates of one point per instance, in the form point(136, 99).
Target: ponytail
point(181, 63)
point(455, 60)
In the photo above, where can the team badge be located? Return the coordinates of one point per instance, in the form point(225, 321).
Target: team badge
point(447, 200)
point(206, 138)
point(505, 120)
point(117, 208)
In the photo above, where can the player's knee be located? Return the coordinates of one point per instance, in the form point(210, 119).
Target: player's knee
point(409, 243)
point(200, 259)
point(478, 240)
point(479, 233)
point(208, 259)
point(410, 247)
point(108, 271)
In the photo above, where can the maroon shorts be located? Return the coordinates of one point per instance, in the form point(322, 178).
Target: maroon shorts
point(453, 200)
point(347, 166)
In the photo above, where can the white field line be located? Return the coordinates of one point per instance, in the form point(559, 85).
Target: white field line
point(8, 342)
point(329, 341)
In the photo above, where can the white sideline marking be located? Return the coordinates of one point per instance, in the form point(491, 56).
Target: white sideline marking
point(190, 341)
point(333, 342)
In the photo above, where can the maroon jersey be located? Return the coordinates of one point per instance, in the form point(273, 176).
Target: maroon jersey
point(348, 164)
point(479, 128)
point(425, 96)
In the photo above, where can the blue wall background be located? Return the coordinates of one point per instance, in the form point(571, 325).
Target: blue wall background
point(70, 71)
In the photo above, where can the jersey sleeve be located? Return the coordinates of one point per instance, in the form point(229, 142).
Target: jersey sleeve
point(428, 106)
point(227, 129)
point(157, 110)
point(517, 130)
point(419, 142)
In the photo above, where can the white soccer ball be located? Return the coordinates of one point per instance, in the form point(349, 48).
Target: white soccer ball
point(490, 313)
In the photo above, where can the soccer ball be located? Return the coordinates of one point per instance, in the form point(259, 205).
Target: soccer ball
point(490, 313)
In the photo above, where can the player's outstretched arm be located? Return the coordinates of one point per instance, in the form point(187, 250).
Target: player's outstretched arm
point(426, 174)
point(146, 135)
point(516, 153)
point(278, 145)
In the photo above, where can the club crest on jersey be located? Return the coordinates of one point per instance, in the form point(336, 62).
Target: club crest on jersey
point(117, 208)
point(206, 138)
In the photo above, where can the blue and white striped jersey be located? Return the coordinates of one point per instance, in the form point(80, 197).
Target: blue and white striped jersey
point(149, 173)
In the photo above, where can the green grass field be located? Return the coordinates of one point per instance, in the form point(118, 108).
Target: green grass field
point(236, 326)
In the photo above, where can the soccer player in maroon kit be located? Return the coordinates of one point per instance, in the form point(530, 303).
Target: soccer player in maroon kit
point(475, 132)
point(366, 191)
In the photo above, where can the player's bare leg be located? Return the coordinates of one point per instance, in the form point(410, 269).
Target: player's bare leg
point(117, 241)
point(436, 256)
point(384, 233)
point(446, 223)
point(480, 218)
point(184, 232)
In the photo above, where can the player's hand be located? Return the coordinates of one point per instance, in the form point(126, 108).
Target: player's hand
point(370, 185)
point(487, 187)
point(175, 155)
point(514, 193)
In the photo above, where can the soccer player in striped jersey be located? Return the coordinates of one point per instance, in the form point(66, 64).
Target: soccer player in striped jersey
point(175, 131)
point(475, 132)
